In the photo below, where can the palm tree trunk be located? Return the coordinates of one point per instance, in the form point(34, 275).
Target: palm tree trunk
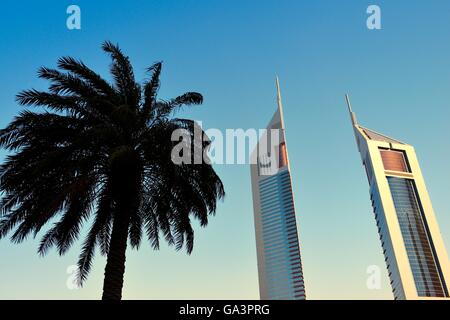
point(115, 265)
point(125, 180)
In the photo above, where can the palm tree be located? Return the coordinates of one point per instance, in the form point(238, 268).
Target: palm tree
point(100, 154)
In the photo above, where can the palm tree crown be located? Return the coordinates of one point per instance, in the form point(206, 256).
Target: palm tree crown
point(100, 153)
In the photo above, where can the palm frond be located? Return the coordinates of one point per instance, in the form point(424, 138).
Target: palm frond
point(123, 74)
point(78, 68)
point(165, 108)
point(151, 88)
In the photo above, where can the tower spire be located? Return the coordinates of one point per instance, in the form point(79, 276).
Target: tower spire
point(352, 114)
point(280, 105)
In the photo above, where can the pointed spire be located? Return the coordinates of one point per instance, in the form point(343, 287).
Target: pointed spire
point(280, 105)
point(352, 114)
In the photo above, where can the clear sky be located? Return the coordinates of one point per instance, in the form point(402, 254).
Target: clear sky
point(230, 51)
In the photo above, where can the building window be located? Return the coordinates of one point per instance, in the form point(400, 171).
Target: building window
point(417, 240)
point(283, 155)
point(394, 160)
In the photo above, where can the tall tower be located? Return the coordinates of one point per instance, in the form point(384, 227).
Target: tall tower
point(278, 251)
point(414, 251)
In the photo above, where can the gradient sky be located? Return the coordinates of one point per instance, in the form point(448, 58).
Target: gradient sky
point(230, 51)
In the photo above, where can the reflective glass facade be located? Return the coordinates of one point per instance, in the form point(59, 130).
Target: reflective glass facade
point(282, 263)
point(386, 243)
point(394, 160)
point(422, 259)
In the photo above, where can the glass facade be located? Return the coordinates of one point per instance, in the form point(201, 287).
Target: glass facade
point(386, 243)
point(283, 268)
point(418, 244)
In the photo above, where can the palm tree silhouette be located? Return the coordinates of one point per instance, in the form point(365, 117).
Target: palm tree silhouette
point(101, 153)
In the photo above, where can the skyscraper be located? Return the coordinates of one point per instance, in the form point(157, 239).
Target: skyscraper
point(414, 251)
point(278, 251)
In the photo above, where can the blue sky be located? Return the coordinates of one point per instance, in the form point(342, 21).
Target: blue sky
point(230, 51)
